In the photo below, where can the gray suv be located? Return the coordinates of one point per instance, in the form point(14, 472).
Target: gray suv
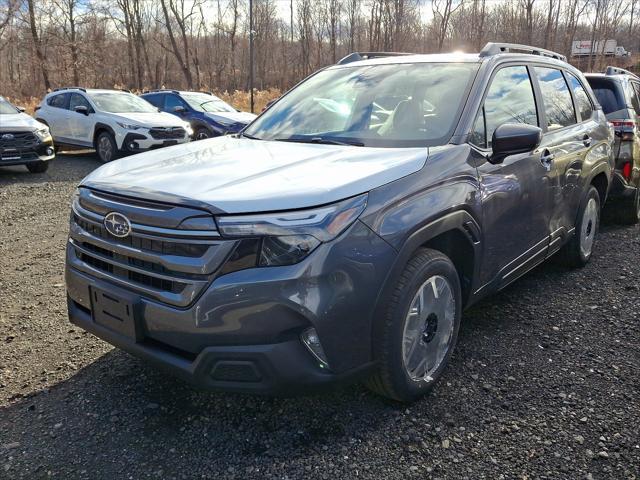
point(618, 92)
point(342, 233)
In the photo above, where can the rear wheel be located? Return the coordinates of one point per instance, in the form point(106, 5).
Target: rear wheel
point(629, 212)
point(38, 167)
point(420, 328)
point(578, 251)
point(106, 147)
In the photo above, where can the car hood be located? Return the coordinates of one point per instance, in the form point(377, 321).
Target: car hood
point(152, 119)
point(240, 175)
point(19, 121)
point(235, 117)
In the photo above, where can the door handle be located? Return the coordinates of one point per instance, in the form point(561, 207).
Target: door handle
point(586, 140)
point(546, 159)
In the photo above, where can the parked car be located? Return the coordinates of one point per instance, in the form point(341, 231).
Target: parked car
point(342, 233)
point(23, 140)
point(618, 91)
point(208, 115)
point(113, 122)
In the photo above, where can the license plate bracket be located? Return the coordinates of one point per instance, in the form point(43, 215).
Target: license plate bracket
point(168, 143)
point(114, 312)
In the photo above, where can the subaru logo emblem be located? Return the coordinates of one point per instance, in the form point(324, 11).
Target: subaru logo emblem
point(8, 136)
point(117, 224)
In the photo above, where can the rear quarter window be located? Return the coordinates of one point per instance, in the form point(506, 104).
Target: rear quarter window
point(609, 94)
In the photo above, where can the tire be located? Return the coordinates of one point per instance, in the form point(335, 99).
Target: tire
point(106, 147)
point(38, 167)
point(202, 133)
point(399, 348)
point(578, 251)
point(629, 212)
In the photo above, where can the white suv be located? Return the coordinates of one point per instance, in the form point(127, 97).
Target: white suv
point(114, 122)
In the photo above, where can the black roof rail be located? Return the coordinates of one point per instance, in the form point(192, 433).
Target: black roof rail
point(70, 88)
point(124, 90)
point(155, 90)
point(619, 71)
point(492, 48)
point(357, 56)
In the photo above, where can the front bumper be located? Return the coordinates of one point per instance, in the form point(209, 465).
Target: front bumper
point(283, 368)
point(135, 142)
point(43, 151)
point(243, 332)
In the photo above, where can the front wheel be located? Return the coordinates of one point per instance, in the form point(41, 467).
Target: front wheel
point(202, 134)
point(578, 251)
point(38, 167)
point(420, 328)
point(106, 147)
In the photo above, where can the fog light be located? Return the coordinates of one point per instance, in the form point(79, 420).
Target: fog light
point(311, 340)
point(49, 151)
point(133, 146)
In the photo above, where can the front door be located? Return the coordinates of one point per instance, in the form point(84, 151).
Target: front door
point(516, 194)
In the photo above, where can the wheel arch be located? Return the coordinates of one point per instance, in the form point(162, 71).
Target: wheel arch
point(457, 235)
point(99, 128)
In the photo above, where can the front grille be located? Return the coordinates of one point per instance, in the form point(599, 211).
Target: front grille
point(166, 247)
point(167, 133)
point(156, 262)
point(19, 140)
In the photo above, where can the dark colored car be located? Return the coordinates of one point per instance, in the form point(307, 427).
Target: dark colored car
point(342, 233)
point(23, 140)
point(208, 115)
point(618, 92)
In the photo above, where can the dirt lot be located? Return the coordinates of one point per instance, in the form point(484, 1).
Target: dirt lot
point(545, 382)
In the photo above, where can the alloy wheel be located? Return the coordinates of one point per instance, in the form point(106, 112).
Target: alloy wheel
point(428, 328)
point(105, 149)
point(589, 227)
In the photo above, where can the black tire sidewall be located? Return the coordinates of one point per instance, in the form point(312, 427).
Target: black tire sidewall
point(402, 383)
point(38, 167)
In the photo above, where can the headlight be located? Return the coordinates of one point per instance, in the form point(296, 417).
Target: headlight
point(43, 133)
point(129, 126)
point(286, 238)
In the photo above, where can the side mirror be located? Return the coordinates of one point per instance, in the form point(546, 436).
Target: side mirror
point(81, 109)
point(21, 109)
point(513, 138)
point(179, 109)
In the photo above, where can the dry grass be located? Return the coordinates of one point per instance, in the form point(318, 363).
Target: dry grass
point(239, 99)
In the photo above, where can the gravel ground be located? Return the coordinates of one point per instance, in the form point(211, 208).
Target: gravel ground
point(544, 383)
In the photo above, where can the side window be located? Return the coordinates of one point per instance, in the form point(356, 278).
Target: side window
point(77, 100)
point(155, 100)
point(634, 92)
point(58, 101)
point(582, 99)
point(556, 98)
point(510, 99)
point(171, 102)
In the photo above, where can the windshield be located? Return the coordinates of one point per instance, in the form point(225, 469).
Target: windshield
point(398, 105)
point(120, 102)
point(6, 108)
point(206, 103)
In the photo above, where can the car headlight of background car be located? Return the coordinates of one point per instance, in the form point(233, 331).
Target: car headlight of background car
point(130, 126)
point(43, 133)
point(286, 238)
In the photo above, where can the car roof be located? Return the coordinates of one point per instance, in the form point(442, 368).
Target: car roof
point(85, 90)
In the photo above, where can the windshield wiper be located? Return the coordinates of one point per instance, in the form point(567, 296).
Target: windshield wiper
point(325, 141)
point(246, 135)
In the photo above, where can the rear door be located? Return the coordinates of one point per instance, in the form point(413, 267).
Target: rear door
point(515, 193)
point(58, 116)
point(565, 144)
